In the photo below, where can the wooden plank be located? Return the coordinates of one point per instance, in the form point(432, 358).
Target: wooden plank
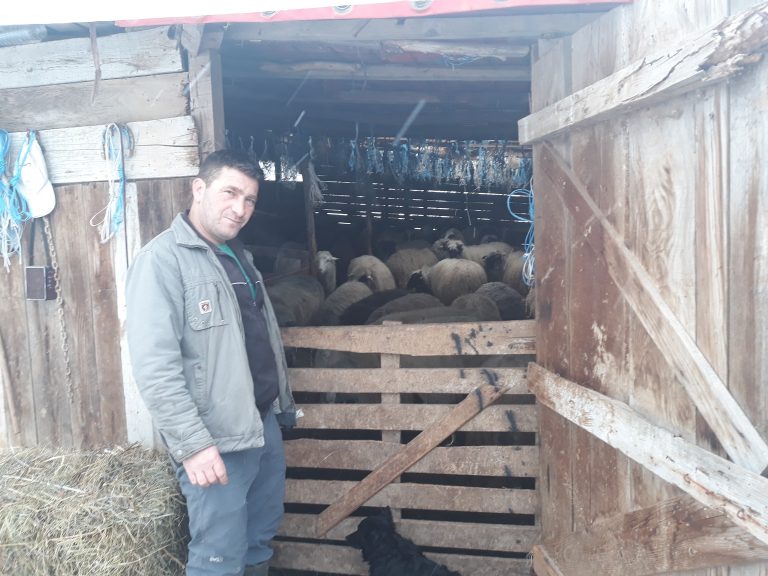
point(515, 337)
point(138, 422)
point(715, 482)
point(502, 461)
point(673, 535)
point(142, 53)
point(419, 496)
point(206, 100)
point(403, 459)
point(498, 50)
point(120, 100)
point(731, 426)
point(464, 535)
point(722, 51)
point(163, 148)
point(346, 560)
point(518, 26)
point(413, 417)
point(405, 380)
point(382, 72)
point(543, 564)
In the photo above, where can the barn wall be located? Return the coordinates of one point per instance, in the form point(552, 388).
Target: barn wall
point(684, 183)
point(67, 92)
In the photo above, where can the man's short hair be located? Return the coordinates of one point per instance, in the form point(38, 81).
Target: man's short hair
point(216, 161)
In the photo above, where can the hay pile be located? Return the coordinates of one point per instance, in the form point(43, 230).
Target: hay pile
point(114, 512)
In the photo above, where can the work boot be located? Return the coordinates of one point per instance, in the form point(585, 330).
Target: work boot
point(257, 570)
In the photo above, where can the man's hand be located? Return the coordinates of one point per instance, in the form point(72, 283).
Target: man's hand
point(206, 467)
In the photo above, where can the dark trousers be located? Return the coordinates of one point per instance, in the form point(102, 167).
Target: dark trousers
point(232, 525)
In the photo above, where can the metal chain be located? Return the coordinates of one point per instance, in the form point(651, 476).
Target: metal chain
point(60, 311)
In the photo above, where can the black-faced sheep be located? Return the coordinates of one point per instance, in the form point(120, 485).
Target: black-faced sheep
point(479, 305)
point(404, 262)
point(449, 279)
point(371, 271)
point(447, 248)
point(357, 314)
point(296, 299)
point(477, 252)
point(404, 304)
point(388, 553)
point(337, 303)
point(507, 299)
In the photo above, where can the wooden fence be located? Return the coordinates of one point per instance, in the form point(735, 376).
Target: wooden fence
point(470, 503)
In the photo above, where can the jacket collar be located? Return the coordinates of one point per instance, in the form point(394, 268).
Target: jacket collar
point(185, 234)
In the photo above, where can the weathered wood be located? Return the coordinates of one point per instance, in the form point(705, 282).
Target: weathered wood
point(543, 564)
point(418, 496)
point(383, 72)
point(9, 423)
point(163, 148)
point(741, 494)
point(402, 460)
point(192, 38)
point(413, 417)
point(404, 380)
point(674, 535)
point(464, 535)
point(142, 53)
point(206, 100)
point(497, 50)
point(120, 100)
point(518, 26)
point(500, 461)
point(515, 337)
point(722, 51)
point(728, 421)
point(346, 560)
point(309, 218)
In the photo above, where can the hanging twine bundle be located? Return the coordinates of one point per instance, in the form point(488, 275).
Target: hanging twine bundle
point(118, 143)
point(13, 207)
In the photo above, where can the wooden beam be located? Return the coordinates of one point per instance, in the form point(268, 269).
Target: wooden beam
point(728, 421)
point(411, 453)
point(383, 72)
point(520, 26)
point(120, 100)
point(675, 535)
point(514, 337)
point(714, 481)
point(191, 38)
point(497, 50)
point(206, 100)
point(126, 55)
point(722, 51)
point(164, 148)
point(544, 565)
point(405, 380)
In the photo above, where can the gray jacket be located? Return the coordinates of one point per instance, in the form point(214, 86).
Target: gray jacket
point(187, 347)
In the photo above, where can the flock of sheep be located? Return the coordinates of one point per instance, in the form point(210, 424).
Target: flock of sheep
point(450, 280)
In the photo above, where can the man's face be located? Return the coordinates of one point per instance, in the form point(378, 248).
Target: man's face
point(220, 209)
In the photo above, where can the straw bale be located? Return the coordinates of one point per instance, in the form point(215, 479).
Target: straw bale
point(115, 512)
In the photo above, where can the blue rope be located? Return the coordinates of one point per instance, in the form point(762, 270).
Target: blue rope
point(14, 210)
point(529, 268)
point(117, 140)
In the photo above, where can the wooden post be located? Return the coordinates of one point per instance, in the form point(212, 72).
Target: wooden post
point(309, 217)
point(206, 93)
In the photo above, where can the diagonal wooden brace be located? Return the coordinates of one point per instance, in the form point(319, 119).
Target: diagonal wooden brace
point(475, 402)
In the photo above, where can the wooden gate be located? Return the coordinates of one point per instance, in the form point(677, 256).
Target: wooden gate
point(471, 502)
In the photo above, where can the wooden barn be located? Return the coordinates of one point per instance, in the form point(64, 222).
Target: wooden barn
point(622, 428)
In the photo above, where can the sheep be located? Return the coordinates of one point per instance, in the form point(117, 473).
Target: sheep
point(296, 299)
point(326, 268)
point(339, 300)
point(436, 315)
point(371, 271)
point(404, 304)
point(453, 234)
point(478, 304)
point(450, 278)
point(447, 248)
point(513, 272)
point(292, 258)
point(493, 264)
point(404, 262)
point(477, 252)
point(388, 553)
point(357, 314)
point(530, 302)
point(507, 299)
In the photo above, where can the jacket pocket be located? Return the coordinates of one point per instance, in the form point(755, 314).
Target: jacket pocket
point(203, 304)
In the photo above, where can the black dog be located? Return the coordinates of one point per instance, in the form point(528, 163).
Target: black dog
point(389, 554)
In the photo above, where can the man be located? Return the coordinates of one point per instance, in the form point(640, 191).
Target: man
point(209, 363)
